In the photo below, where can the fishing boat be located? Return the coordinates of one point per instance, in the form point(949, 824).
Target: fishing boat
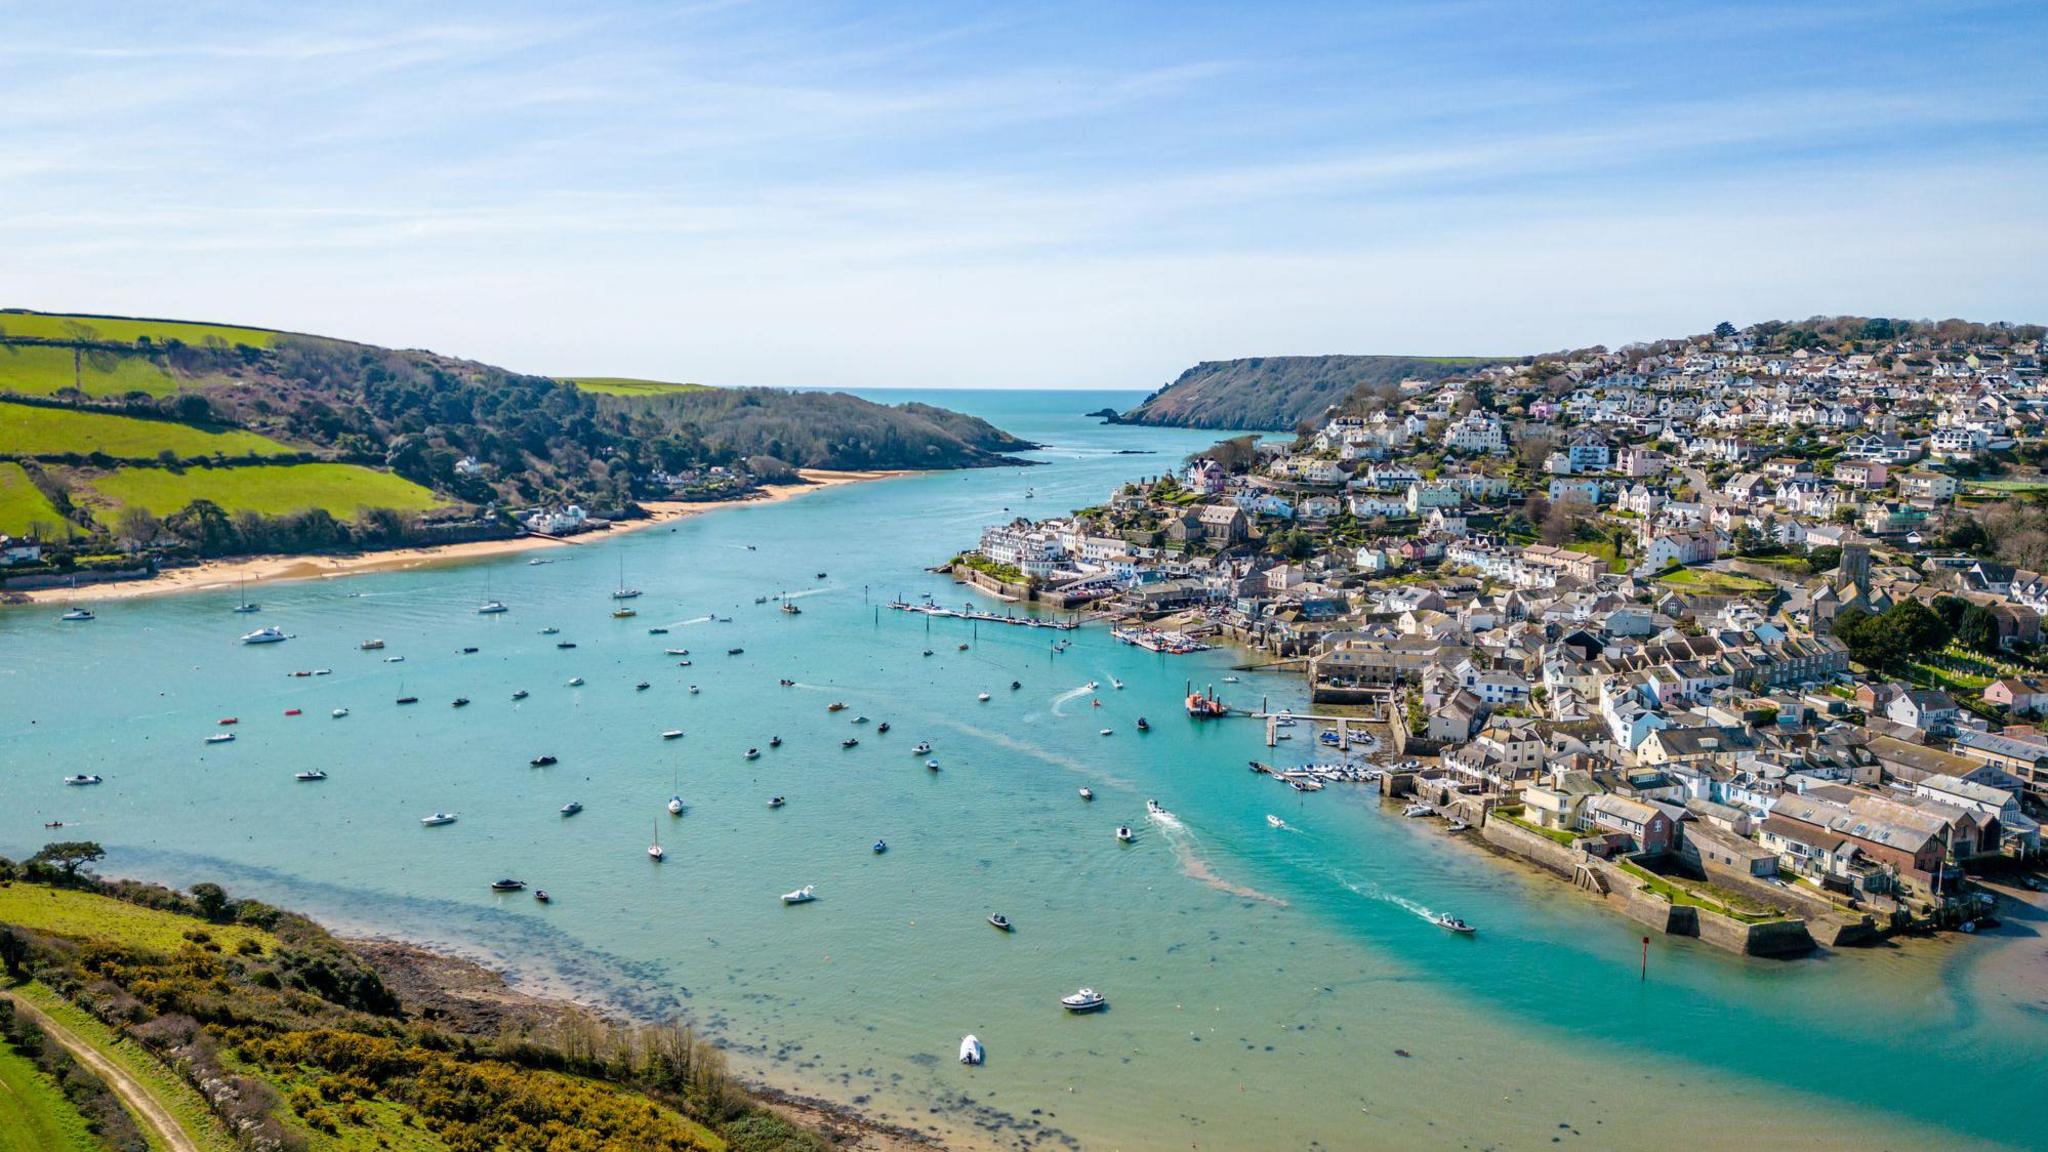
point(803, 895)
point(923, 748)
point(82, 780)
point(571, 808)
point(370, 645)
point(1447, 921)
point(931, 765)
point(1087, 793)
point(753, 754)
point(338, 713)
point(881, 846)
point(1000, 921)
point(775, 741)
point(521, 694)
point(672, 734)
point(1083, 1000)
point(314, 774)
point(776, 801)
point(76, 615)
point(543, 761)
point(1275, 821)
point(971, 1050)
point(1123, 833)
point(849, 742)
point(654, 851)
point(508, 885)
point(438, 819)
point(221, 738)
point(266, 635)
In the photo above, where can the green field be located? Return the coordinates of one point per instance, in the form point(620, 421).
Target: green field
point(1712, 582)
point(181, 1099)
point(344, 490)
point(64, 912)
point(22, 504)
point(34, 1116)
point(33, 431)
point(1604, 549)
point(2008, 487)
point(39, 370)
point(60, 326)
point(627, 386)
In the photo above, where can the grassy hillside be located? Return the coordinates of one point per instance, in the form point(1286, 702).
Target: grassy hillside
point(21, 324)
point(341, 490)
point(70, 912)
point(30, 430)
point(24, 507)
point(41, 370)
point(34, 1116)
point(627, 386)
point(1279, 393)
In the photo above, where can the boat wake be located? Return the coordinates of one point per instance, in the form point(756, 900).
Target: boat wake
point(1372, 891)
point(1282, 825)
point(1194, 867)
point(1060, 701)
point(807, 592)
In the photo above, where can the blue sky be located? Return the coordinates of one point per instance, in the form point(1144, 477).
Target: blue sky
point(1032, 195)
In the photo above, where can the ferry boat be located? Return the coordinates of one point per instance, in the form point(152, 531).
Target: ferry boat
point(438, 819)
point(82, 780)
point(803, 895)
point(315, 774)
point(508, 885)
point(1083, 1000)
point(266, 635)
point(970, 1050)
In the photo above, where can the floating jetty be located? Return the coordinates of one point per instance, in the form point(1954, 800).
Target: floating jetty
point(971, 613)
point(1153, 640)
point(1312, 777)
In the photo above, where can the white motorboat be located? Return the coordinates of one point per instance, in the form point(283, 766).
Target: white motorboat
point(1275, 821)
point(76, 614)
point(753, 754)
point(551, 630)
point(675, 805)
point(265, 635)
point(675, 651)
point(1154, 808)
point(1123, 833)
point(1001, 922)
point(932, 765)
point(1116, 683)
point(1091, 686)
point(1083, 1000)
point(315, 774)
point(776, 801)
point(982, 697)
point(81, 780)
point(1087, 793)
point(970, 1050)
point(693, 689)
point(491, 608)
point(221, 738)
point(575, 681)
point(803, 895)
point(1447, 921)
point(338, 713)
point(521, 694)
point(1230, 679)
point(438, 819)
point(1108, 732)
point(572, 808)
point(923, 748)
point(672, 734)
point(1418, 810)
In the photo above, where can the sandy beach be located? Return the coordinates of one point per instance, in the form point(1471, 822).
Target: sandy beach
point(214, 575)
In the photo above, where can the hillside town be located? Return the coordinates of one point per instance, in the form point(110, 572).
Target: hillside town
point(1738, 633)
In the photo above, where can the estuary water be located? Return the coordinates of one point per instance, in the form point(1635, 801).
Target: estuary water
point(1269, 986)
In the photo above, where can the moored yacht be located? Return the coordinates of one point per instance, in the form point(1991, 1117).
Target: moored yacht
point(491, 608)
point(571, 808)
point(313, 774)
point(76, 615)
point(672, 734)
point(338, 713)
point(1083, 1000)
point(508, 885)
point(82, 779)
point(970, 1050)
point(803, 895)
point(675, 805)
point(265, 635)
point(438, 819)
point(221, 738)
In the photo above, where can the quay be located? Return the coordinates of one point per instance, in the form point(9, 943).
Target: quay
point(976, 614)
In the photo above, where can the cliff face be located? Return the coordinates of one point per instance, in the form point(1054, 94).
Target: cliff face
point(1278, 393)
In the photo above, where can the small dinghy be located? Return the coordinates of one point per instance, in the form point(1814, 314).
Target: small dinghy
point(803, 895)
point(1142, 726)
point(931, 765)
point(693, 689)
point(881, 846)
point(675, 651)
point(459, 702)
point(882, 727)
point(540, 896)
point(575, 681)
point(849, 742)
point(1001, 922)
point(775, 741)
point(983, 697)
point(642, 686)
point(753, 753)
point(1087, 793)
point(971, 1051)
point(923, 748)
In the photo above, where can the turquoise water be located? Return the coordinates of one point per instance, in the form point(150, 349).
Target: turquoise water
point(1260, 979)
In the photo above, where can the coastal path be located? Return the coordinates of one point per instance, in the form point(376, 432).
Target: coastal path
point(135, 1095)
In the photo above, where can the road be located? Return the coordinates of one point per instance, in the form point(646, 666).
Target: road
point(133, 1093)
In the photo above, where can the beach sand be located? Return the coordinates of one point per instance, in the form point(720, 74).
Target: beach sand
point(216, 575)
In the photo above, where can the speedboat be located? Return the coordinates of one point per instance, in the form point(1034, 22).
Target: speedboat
point(675, 805)
point(315, 774)
point(1123, 833)
point(76, 615)
point(508, 885)
point(791, 609)
point(803, 895)
point(490, 608)
point(983, 697)
point(1083, 1000)
point(543, 761)
point(1448, 921)
point(265, 635)
point(1116, 683)
point(227, 720)
point(459, 702)
point(521, 694)
point(849, 742)
point(923, 747)
point(78, 781)
point(672, 734)
point(775, 741)
point(1109, 732)
point(881, 846)
point(776, 801)
point(438, 819)
point(1418, 810)
point(1154, 808)
point(1087, 793)
point(753, 753)
point(970, 1050)
point(338, 713)
point(932, 765)
point(1001, 921)
point(221, 738)
point(571, 808)
point(1091, 686)
point(1275, 821)
point(575, 681)
point(657, 631)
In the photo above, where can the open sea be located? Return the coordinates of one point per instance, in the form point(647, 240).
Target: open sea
point(1269, 987)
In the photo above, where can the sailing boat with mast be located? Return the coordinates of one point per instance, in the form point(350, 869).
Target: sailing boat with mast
point(623, 592)
point(675, 800)
point(654, 851)
point(247, 605)
point(491, 606)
